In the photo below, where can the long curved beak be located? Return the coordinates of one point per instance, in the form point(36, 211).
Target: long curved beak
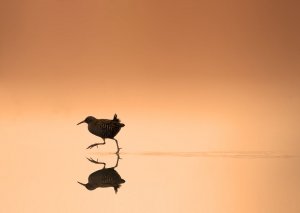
point(81, 183)
point(81, 122)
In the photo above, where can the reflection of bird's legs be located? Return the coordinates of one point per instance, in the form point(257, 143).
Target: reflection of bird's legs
point(117, 146)
point(104, 164)
point(96, 162)
point(118, 158)
point(96, 144)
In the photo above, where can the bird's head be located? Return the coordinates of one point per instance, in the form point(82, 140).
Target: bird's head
point(88, 119)
point(88, 186)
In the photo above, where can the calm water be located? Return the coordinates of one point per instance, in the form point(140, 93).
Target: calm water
point(40, 170)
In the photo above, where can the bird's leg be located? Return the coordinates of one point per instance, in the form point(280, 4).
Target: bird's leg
point(117, 146)
point(96, 144)
point(102, 143)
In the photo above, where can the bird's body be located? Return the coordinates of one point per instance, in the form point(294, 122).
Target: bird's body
point(104, 128)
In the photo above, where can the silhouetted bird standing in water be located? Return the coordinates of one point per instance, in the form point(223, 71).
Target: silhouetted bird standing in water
point(103, 128)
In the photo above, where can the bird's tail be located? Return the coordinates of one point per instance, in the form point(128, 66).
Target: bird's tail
point(116, 118)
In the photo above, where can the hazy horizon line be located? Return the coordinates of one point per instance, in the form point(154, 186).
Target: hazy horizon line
point(223, 154)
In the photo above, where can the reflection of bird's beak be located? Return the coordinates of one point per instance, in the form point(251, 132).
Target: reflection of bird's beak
point(81, 183)
point(81, 122)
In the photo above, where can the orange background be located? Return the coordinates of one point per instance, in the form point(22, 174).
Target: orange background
point(207, 70)
point(213, 77)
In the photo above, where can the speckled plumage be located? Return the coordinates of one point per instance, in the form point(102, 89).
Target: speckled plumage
point(105, 128)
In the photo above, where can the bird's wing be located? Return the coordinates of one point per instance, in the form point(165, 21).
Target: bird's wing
point(102, 124)
point(105, 124)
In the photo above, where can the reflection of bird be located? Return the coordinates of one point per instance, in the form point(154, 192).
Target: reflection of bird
point(106, 177)
point(103, 128)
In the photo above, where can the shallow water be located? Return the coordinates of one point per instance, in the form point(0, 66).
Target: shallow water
point(40, 170)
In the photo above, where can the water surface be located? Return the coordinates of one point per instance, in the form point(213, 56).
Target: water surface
point(40, 170)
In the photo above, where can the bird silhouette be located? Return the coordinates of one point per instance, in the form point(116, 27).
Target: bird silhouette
point(105, 177)
point(103, 128)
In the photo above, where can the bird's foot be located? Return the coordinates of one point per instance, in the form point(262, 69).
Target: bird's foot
point(95, 144)
point(118, 156)
point(117, 152)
